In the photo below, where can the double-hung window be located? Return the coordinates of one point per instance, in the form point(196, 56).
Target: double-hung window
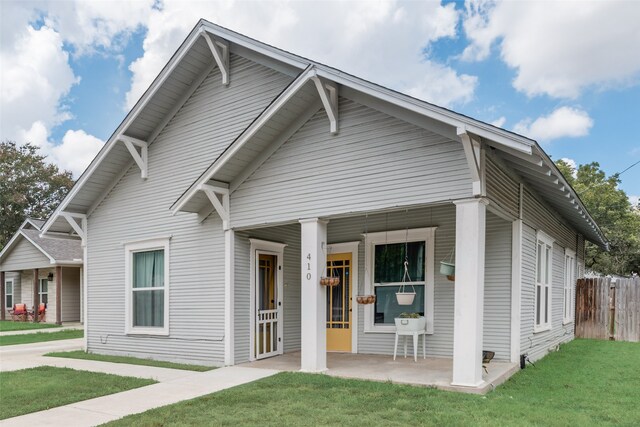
point(147, 284)
point(8, 293)
point(569, 282)
point(385, 253)
point(43, 291)
point(543, 291)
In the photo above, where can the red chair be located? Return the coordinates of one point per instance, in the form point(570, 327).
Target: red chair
point(19, 312)
point(42, 313)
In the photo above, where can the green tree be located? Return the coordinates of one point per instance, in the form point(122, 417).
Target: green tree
point(609, 206)
point(29, 187)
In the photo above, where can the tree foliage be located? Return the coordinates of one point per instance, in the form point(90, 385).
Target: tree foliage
point(29, 187)
point(609, 206)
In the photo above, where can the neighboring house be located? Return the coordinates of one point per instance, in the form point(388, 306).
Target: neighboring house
point(48, 267)
point(210, 214)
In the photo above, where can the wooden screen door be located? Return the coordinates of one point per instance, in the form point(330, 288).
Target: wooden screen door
point(268, 341)
point(339, 303)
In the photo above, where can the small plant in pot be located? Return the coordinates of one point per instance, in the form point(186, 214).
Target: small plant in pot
point(410, 322)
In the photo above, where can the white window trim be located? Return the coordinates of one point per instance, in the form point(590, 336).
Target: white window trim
point(399, 236)
point(129, 250)
point(569, 282)
point(6, 282)
point(547, 240)
point(40, 293)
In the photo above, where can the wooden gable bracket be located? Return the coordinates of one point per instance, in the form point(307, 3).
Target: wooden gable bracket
point(220, 51)
point(141, 157)
point(80, 228)
point(328, 92)
point(473, 154)
point(219, 197)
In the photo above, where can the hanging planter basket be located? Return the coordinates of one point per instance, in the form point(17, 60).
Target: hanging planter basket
point(447, 268)
point(405, 298)
point(329, 281)
point(451, 277)
point(366, 299)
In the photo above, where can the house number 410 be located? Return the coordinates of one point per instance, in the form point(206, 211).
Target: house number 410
point(309, 266)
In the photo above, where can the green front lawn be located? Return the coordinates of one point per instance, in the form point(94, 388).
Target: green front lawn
point(10, 325)
point(585, 383)
point(80, 354)
point(40, 336)
point(45, 387)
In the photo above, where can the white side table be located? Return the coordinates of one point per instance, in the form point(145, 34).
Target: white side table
point(416, 338)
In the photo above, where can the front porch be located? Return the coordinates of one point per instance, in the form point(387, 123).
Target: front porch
point(430, 372)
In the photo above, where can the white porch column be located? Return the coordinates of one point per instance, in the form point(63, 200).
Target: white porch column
point(469, 292)
point(313, 296)
point(229, 293)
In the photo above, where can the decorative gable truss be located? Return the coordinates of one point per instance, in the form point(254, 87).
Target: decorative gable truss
point(473, 154)
point(141, 157)
point(79, 227)
point(220, 51)
point(218, 195)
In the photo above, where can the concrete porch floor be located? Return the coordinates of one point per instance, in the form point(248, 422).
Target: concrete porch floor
point(429, 372)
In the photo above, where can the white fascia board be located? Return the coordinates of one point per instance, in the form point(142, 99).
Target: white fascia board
point(246, 135)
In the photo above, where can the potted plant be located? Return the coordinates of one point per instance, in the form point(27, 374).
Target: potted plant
point(410, 322)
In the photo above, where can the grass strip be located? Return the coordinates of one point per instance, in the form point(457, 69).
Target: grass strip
point(36, 389)
point(40, 337)
point(80, 354)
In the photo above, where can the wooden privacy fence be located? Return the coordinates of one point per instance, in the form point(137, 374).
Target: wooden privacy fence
point(608, 309)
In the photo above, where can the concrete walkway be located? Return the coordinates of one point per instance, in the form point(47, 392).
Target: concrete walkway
point(65, 327)
point(108, 408)
point(174, 385)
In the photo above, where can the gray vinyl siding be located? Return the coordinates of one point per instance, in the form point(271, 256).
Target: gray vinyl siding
point(539, 217)
point(375, 161)
point(497, 288)
point(291, 306)
point(70, 299)
point(24, 256)
point(501, 187)
point(138, 209)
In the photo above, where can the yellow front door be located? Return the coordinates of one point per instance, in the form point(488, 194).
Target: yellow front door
point(339, 303)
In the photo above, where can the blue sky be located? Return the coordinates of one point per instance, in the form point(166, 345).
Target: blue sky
point(571, 81)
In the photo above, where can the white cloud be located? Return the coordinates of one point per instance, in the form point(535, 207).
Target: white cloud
point(499, 122)
point(561, 123)
point(634, 200)
point(76, 151)
point(558, 48)
point(383, 41)
point(36, 75)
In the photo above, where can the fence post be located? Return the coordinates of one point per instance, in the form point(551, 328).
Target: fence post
point(612, 312)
